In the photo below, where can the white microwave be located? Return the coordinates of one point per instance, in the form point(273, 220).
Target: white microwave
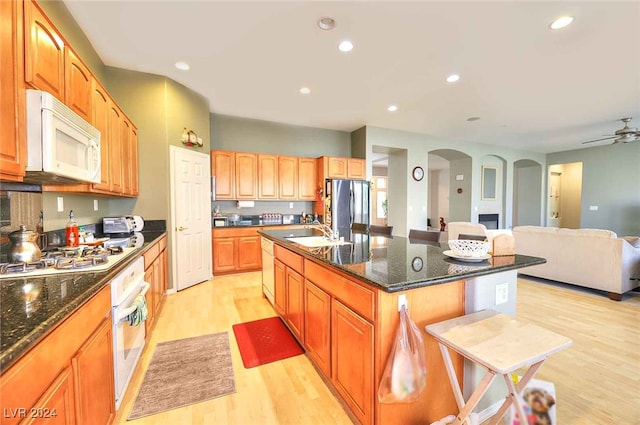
point(61, 146)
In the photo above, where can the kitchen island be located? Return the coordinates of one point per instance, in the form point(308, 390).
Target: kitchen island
point(341, 302)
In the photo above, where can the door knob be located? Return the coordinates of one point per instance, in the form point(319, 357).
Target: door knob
point(180, 229)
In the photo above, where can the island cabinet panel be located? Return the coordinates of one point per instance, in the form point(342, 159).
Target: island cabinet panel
point(356, 296)
point(246, 175)
point(280, 287)
point(427, 305)
point(267, 176)
point(44, 52)
point(223, 168)
point(317, 326)
point(289, 258)
point(13, 149)
point(352, 361)
point(295, 303)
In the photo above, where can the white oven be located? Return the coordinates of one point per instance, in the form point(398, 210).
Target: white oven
point(128, 340)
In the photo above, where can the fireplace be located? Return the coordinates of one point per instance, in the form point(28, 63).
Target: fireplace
point(490, 221)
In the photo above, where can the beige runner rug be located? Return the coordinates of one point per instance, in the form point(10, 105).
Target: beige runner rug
point(184, 372)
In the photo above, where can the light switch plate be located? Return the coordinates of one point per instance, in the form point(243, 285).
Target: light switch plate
point(60, 204)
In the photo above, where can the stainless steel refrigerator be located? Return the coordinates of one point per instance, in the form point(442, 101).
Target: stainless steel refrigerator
point(348, 204)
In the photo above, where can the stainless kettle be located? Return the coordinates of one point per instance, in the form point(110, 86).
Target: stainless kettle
point(24, 247)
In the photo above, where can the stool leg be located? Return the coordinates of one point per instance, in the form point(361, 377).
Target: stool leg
point(464, 408)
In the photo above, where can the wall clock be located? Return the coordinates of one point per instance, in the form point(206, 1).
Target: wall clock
point(418, 173)
point(416, 264)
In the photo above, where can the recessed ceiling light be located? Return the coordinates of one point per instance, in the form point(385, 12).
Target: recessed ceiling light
point(561, 22)
point(326, 23)
point(453, 78)
point(473, 118)
point(392, 108)
point(305, 90)
point(182, 66)
point(345, 46)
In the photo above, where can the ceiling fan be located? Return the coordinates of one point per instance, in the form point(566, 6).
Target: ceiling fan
point(624, 135)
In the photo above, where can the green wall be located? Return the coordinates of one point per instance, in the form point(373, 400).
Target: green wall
point(610, 181)
point(249, 135)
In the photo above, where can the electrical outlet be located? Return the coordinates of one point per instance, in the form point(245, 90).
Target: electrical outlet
point(291, 205)
point(95, 205)
point(402, 301)
point(60, 204)
point(502, 293)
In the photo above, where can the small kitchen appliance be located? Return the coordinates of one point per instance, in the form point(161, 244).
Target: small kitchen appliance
point(125, 224)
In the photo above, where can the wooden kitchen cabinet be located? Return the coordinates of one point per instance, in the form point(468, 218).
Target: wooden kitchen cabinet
point(115, 148)
point(280, 287)
point(13, 149)
point(246, 175)
point(44, 52)
point(57, 405)
point(288, 177)
point(133, 162)
point(78, 85)
point(223, 165)
point(317, 326)
point(95, 385)
point(100, 120)
point(307, 179)
point(267, 176)
point(337, 168)
point(295, 303)
point(356, 169)
point(70, 369)
point(236, 250)
point(155, 266)
point(129, 155)
point(352, 360)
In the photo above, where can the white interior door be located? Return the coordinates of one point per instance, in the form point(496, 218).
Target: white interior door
point(190, 216)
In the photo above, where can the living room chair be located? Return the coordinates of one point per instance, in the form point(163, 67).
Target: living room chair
point(359, 228)
point(417, 236)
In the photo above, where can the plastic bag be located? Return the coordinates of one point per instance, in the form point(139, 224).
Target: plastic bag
point(405, 375)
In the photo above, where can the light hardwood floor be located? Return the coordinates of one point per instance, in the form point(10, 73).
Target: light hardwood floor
point(597, 380)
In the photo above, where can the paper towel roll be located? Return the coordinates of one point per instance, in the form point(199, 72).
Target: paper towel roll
point(246, 204)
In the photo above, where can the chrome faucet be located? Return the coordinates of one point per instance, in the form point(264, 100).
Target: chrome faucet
point(326, 230)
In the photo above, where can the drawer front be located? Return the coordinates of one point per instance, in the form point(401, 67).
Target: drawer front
point(151, 255)
point(163, 243)
point(232, 232)
point(357, 297)
point(289, 258)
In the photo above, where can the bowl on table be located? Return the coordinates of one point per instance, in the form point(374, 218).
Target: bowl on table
point(469, 248)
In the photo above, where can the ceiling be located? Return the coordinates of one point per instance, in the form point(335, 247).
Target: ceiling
point(531, 87)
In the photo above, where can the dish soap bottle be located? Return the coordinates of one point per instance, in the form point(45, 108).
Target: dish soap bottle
point(72, 235)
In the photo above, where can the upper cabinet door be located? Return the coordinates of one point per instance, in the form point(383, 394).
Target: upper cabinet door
point(267, 176)
point(13, 149)
point(44, 64)
point(100, 112)
point(337, 168)
point(246, 175)
point(223, 166)
point(288, 177)
point(307, 179)
point(77, 85)
point(356, 168)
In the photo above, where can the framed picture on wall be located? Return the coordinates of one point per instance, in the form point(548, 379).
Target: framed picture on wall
point(489, 183)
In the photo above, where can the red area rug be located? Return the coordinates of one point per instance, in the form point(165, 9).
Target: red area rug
point(265, 341)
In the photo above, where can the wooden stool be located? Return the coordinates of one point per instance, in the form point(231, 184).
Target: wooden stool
point(502, 345)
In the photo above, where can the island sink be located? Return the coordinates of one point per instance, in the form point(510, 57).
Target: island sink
point(316, 241)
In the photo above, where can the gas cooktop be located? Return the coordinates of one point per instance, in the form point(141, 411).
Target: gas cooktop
point(67, 260)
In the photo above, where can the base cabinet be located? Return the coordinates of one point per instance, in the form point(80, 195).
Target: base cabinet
point(155, 273)
point(236, 250)
point(67, 378)
point(317, 324)
point(352, 360)
point(95, 384)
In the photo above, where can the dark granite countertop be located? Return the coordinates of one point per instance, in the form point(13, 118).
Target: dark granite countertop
point(53, 298)
point(397, 263)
